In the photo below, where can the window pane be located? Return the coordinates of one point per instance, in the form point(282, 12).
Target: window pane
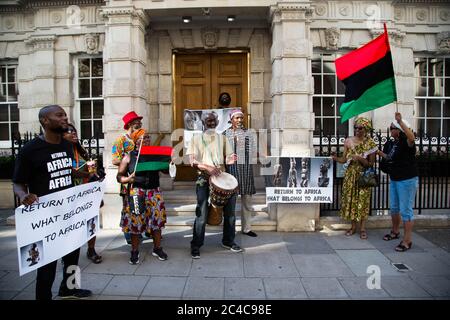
point(84, 88)
point(11, 74)
point(446, 128)
point(434, 108)
point(328, 106)
point(3, 93)
point(14, 112)
point(98, 129)
point(97, 67)
point(342, 128)
point(447, 67)
point(98, 109)
point(438, 67)
point(421, 125)
point(317, 84)
point(317, 126)
point(328, 84)
point(12, 92)
point(340, 87)
point(4, 112)
point(447, 87)
point(315, 66)
point(15, 130)
point(420, 103)
point(433, 127)
point(432, 89)
point(4, 131)
point(328, 126)
point(446, 108)
point(328, 67)
point(421, 67)
point(3, 79)
point(421, 87)
point(83, 68)
point(316, 106)
point(85, 110)
point(86, 132)
point(97, 87)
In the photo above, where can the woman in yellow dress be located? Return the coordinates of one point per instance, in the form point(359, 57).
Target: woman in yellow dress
point(359, 154)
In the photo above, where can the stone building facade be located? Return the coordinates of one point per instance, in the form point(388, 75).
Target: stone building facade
point(101, 59)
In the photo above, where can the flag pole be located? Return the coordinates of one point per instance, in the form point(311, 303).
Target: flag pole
point(139, 153)
point(387, 39)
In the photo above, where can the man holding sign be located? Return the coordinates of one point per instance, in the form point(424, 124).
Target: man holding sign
point(44, 166)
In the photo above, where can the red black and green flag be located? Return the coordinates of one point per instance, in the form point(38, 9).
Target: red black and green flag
point(153, 158)
point(368, 75)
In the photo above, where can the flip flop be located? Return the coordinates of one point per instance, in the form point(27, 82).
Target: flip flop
point(402, 248)
point(391, 236)
point(363, 234)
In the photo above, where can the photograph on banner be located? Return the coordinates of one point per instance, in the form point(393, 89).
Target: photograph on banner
point(57, 224)
point(193, 121)
point(301, 180)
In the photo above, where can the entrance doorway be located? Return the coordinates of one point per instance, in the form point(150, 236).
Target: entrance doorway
point(199, 80)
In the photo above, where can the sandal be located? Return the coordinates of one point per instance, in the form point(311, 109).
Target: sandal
point(391, 236)
point(350, 232)
point(363, 234)
point(94, 257)
point(402, 248)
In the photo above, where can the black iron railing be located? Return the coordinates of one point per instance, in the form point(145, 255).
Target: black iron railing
point(433, 161)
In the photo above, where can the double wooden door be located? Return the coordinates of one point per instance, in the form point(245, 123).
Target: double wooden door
point(199, 80)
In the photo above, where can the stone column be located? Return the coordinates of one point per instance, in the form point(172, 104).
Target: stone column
point(36, 75)
point(125, 60)
point(292, 89)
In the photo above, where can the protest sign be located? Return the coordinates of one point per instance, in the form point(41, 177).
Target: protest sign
point(301, 180)
point(57, 224)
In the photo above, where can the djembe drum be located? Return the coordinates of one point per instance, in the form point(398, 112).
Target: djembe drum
point(221, 189)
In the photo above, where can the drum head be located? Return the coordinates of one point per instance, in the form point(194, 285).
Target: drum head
point(224, 181)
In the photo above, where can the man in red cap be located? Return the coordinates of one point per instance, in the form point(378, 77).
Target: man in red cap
point(123, 145)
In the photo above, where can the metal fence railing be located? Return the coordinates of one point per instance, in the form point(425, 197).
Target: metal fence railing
point(433, 161)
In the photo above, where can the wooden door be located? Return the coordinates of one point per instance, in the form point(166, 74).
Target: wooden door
point(199, 80)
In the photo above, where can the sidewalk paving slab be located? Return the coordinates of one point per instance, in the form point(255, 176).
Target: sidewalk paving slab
point(435, 285)
point(168, 287)
point(308, 243)
point(359, 260)
point(278, 265)
point(356, 287)
point(244, 288)
point(324, 288)
point(284, 288)
point(343, 242)
point(423, 263)
point(126, 285)
point(211, 265)
point(402, 287)
point(204, 288)
point(321, 265)
point(179, 263)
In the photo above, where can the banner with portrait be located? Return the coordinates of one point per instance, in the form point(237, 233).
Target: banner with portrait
point(57, 224)
point(301, 180)
point(193, 121)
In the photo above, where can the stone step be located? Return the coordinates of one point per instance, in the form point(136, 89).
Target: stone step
point(189, 197)
point(260, 222)
point(175, 209)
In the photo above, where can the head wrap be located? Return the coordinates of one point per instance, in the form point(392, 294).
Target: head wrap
point(235, 112)
point(365, 123)
point(137, 134)
point(396, 124)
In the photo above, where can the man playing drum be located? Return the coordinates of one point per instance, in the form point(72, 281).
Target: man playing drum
point(207, 152)
point(244, 146)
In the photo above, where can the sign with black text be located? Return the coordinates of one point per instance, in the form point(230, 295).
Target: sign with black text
point(57, 224)
point(301, 180)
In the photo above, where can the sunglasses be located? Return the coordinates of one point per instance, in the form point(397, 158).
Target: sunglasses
point(71, 131)
point(358, 128)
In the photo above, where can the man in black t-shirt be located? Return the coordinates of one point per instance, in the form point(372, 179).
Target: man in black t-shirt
point(44, 166)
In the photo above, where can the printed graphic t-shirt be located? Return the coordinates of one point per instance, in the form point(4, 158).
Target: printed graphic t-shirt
point(44, 167)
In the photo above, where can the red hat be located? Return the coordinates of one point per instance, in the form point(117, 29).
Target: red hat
point(129, 117)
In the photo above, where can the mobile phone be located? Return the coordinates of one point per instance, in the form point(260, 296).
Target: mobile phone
point(401, 267)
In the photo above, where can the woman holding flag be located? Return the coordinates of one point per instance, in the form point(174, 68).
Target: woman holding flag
point(359, 154)
point(145, 210)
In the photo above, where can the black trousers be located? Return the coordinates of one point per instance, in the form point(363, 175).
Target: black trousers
point(46, 275)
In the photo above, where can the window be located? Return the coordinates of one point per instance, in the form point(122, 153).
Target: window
point(9, 111)
point(432, 103)
point(90, 97)
point(329, 94)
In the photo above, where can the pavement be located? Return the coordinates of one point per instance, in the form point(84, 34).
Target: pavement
point(274, 265)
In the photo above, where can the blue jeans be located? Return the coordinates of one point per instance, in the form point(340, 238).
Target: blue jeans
point(401, 197)
point(201, 213)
